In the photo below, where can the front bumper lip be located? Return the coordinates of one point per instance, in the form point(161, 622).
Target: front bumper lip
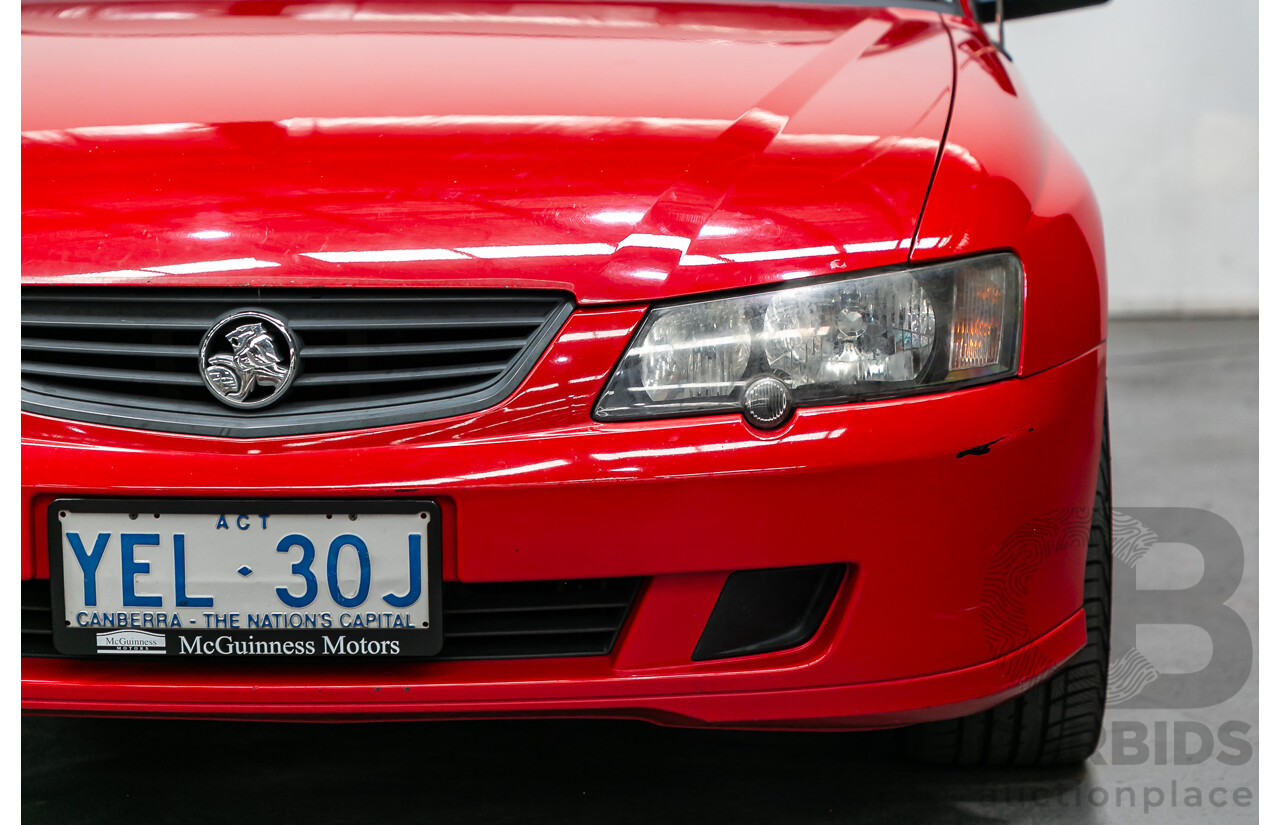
point(861, 706)
point(891, 489)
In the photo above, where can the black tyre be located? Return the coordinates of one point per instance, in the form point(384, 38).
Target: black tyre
point(1059, 721)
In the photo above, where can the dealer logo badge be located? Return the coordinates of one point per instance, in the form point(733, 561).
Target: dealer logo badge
point(130, 641)
point(248, 359)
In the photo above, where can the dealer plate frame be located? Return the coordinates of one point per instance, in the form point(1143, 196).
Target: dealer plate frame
point(421, 643)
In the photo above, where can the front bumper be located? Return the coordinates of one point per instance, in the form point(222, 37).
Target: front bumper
point(917, 496)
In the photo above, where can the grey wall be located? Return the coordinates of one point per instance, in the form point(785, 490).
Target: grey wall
point(1158, 101)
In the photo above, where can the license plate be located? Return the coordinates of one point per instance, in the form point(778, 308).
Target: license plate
point(210, 579)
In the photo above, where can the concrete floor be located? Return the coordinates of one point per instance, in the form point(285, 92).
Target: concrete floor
point(1184, 417)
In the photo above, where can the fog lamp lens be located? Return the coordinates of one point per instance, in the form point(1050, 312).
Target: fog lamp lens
point(766, 403)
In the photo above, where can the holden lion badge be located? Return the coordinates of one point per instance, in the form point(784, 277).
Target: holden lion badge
point(248, 359)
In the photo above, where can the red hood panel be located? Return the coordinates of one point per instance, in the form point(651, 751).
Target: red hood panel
point(624, 152)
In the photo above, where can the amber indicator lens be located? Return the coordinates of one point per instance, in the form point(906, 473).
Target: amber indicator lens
point(978, 322)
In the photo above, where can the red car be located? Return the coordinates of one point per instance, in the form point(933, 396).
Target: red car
point(715, 364)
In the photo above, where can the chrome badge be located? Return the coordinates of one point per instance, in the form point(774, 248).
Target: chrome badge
point(248, 359)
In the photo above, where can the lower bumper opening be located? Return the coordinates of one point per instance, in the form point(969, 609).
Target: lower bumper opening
point(491, 620)
point(762, 611)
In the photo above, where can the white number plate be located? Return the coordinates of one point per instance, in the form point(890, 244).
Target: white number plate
point(246, 579)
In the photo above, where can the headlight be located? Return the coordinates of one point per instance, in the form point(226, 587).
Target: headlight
point(863, 337)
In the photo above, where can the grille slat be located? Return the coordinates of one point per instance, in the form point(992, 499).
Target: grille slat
point(407, 322)
point(344, 378)
point(515, 620)
point(535, 631)
point(54, 321)
point(129, 356)
point(107, 374)
point(537, 608)
point(103, 321)
point(512, 624)
point(109, 348)
point(493, 345)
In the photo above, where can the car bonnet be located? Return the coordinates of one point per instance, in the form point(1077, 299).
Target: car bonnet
point(624, 152)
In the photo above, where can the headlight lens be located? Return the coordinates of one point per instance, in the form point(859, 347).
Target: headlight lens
point(870, 336)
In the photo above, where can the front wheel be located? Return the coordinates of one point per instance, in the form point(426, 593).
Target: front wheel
point(1059, 721)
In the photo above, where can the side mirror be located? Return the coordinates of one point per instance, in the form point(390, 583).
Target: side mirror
point(1013, 9)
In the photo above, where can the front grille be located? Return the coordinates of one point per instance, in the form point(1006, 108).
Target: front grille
point(37, 618)
point(507, 620)
point(129, 356)
point(522, 620)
